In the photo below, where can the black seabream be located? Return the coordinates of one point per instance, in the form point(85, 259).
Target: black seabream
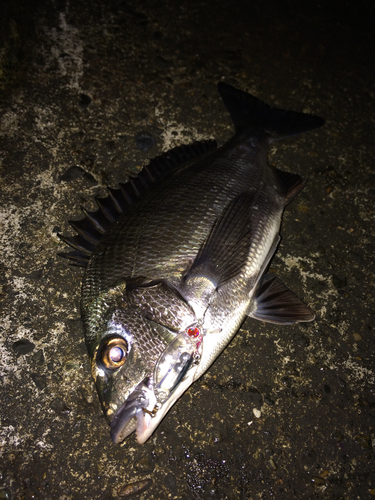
point(175, 261)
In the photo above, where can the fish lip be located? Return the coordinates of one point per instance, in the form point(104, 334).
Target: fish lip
point(141, 397)
point(160, 413)
point(121, 425)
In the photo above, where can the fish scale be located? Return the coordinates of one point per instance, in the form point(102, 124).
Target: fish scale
point(153, 242)
point(176, 260)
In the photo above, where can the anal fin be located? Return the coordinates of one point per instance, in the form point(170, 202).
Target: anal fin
point(292, 184)
point(275, 303)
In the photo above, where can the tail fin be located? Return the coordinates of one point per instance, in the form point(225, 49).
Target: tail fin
point(249, 112)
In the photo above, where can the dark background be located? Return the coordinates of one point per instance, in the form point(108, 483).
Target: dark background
point(79, 82)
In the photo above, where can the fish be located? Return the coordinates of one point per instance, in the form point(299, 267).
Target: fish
point(176, 259)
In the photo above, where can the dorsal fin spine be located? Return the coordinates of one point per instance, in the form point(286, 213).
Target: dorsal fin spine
point(85, 228)
point(107, 209)
point(97, 219)
point(97, 223)
point(146, 170)
point(117, 199)
point(133, 183)
point(145, 179)
point(128, 193)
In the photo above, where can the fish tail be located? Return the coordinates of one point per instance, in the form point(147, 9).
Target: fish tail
point(248, 111)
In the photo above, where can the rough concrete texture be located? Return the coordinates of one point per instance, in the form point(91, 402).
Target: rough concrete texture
point(285, 412)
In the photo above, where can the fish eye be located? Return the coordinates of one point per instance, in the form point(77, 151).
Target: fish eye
point(114, 353)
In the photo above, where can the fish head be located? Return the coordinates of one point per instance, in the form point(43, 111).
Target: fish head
point(138, 375)
point(146, 345)
point(122, 366)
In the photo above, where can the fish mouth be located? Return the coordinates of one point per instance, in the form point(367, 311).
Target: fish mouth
point(142, 412)
point(174, 372)
point(132, 416)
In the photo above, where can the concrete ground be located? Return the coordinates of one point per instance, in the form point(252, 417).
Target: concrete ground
point(285, 412)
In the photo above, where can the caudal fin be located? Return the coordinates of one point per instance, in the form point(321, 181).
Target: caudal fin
point(248, 111)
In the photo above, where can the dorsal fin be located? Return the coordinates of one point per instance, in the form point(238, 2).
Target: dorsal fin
point(95, 224)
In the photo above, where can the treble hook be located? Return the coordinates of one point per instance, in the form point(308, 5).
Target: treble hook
point(152, 412)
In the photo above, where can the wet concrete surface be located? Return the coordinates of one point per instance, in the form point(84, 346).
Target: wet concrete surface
point(284, 412)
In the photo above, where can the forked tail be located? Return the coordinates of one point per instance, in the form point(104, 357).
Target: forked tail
point(248, 111)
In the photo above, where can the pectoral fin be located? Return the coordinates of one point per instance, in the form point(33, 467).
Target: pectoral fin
point(275, 303)
point(226, 249)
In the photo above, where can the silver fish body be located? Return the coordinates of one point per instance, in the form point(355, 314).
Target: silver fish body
point(182, 264)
